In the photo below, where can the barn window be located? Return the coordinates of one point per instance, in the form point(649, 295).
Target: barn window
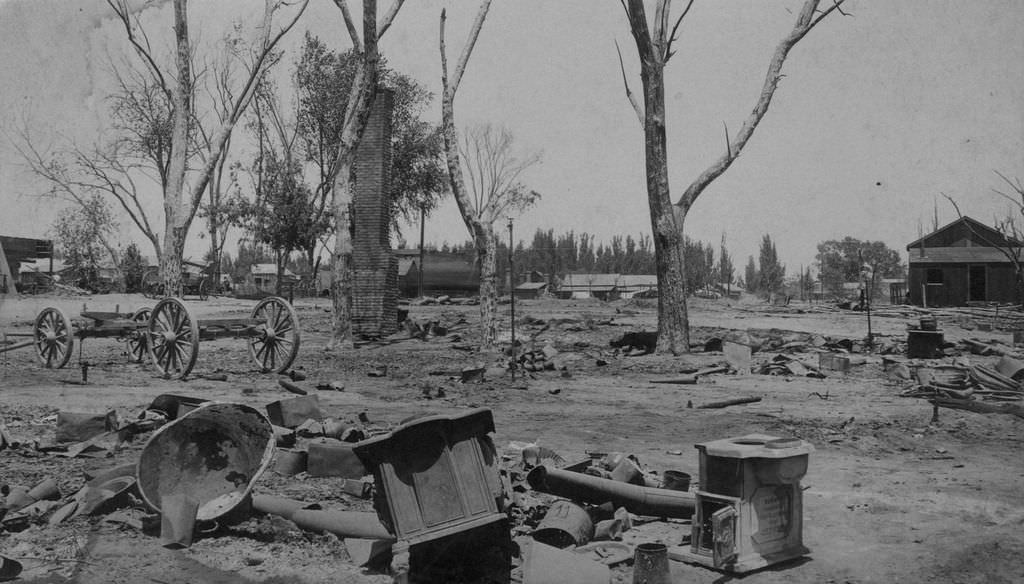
point(934, 276)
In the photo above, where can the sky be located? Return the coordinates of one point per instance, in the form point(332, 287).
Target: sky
point(879, 114)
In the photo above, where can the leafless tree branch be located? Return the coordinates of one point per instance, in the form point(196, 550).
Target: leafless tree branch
point(629, 93)
point(805, 22)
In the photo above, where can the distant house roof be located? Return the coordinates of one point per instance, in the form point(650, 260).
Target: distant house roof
point(269, 270)
point(637, 281)
point(532, 286)
point(593, 282)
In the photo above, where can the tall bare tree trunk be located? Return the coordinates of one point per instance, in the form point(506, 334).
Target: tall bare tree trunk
point(487, 256)
point(655, 47)
point(341, 263)
point(175, 214)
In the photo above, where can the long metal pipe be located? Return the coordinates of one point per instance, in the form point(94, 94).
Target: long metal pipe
point(362, 525)
point(596, 491)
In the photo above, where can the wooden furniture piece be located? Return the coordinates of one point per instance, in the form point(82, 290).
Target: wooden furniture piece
point(435, 477)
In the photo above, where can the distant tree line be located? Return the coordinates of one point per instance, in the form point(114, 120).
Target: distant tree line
point(554, 255)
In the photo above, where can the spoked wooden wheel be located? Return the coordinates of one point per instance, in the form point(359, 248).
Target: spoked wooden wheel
point(173, 338)
point(275, 347)
point(203, 293)
point(54, 338)
point(138, 339)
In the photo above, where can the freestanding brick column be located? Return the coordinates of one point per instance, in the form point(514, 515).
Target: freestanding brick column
point(375, 286)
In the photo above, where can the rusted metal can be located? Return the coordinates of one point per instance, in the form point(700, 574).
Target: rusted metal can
point(565, 524)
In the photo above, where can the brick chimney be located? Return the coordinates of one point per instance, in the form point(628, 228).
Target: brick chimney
point(375, 285)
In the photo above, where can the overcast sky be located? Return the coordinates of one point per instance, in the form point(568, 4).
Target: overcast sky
point(878, 114)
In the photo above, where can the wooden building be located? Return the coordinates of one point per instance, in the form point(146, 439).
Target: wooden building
point(963, 262)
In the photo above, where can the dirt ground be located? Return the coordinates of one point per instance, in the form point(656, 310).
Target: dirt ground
point(889, 496)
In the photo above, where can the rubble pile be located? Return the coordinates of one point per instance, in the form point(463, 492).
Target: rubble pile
point(200, 469)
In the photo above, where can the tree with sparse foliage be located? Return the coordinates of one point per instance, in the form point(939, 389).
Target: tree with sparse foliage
point(655, 46)
point(771, 273)
point(841, 261)
point(751, 278)
point(133, 268)
point(158, 133)
point(83, 239)
point(323, 81)
point(494, 177)
point(726, 271)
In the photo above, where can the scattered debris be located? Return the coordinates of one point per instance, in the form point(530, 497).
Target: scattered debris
point(288, 385)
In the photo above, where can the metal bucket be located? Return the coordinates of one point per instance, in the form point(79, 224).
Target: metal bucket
point(565, 524)
point(212, 455)
point(650, 564)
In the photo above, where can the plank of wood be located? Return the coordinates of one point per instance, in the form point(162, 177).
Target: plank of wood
point(729, 402)
point(979, 406)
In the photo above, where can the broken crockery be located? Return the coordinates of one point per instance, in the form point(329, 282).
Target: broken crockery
point(213, 454)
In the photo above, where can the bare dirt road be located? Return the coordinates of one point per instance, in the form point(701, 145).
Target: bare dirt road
point(890, 496)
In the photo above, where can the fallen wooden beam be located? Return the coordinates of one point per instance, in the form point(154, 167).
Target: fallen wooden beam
point(690, 380)
point(979, 407)
point(729, 402)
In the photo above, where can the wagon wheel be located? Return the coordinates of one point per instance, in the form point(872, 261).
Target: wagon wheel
point(54, 338)
point(152, 287)
point(173, 338)
point(137, 339)
point(203, 293)
point(277, 344)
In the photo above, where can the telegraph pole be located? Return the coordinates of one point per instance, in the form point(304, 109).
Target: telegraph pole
point(512, 292)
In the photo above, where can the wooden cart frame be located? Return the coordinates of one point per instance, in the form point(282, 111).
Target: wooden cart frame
point(169, 334)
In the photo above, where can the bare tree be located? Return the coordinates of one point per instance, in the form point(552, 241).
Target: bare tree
point(496, 191)
point(158, 132)
point(654, 45)
point(479, 207)
point(357, 112)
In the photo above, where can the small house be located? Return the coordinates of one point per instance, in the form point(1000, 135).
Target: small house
point(963, 262)
point(600, 286)
point(530, 290)
point(638, 285)
point(262, 280)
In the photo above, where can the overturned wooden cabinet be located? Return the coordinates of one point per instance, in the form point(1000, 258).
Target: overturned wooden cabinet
point(436, 477)
point(749, 507)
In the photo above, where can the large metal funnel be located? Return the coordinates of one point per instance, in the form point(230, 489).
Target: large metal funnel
point(212, 455)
